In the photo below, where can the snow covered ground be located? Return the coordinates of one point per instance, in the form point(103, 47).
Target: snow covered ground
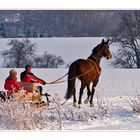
point(112, 109)
point(112, 101)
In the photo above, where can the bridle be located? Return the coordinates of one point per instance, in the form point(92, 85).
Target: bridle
point(94, 62)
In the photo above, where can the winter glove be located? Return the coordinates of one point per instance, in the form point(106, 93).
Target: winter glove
point(44, 83)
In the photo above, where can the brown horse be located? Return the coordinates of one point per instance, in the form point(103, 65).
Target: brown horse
point(87, 71)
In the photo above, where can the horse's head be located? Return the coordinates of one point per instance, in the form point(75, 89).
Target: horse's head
point(106, 52)
point(102, 50)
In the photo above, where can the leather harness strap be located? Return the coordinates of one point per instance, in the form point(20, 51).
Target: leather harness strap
point(98, 69)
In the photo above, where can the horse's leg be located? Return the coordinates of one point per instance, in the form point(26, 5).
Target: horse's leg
point(74, 98)
point(88, 94)
point(91, 98)
point(93, 91)
point(80, 95)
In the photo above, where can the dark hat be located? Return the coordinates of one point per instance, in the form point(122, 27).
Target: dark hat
point(28, 66)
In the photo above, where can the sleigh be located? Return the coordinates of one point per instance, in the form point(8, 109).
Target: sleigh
point(27, 96)
point(31, 94)
point(29, 87)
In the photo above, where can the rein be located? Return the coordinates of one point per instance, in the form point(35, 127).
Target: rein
point(58, 80)
point(98, 69)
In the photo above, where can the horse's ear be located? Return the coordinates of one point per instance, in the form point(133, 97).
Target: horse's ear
point(103, 41)
point(107, 41)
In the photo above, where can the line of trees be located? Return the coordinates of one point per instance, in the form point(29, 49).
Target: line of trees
point(2, 30)
point(60, 23)
point(123, 28)
point(23, 52)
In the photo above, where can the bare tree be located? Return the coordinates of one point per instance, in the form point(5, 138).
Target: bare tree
point(21, 53)
point(127, 36)
point(48, 61)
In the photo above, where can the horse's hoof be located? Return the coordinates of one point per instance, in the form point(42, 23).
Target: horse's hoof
point(79, 106)
point(86, 101)
point(91, 105)
point(74, 104)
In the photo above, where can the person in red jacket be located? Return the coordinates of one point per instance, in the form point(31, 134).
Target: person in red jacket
point(29, 77)
point(11, 85)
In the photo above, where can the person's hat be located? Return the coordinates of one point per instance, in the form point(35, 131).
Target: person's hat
point(12, 72)
point(28, 66)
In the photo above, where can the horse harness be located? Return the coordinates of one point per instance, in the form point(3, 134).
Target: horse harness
point(98, 68)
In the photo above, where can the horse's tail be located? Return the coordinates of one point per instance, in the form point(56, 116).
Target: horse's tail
point(71, 82)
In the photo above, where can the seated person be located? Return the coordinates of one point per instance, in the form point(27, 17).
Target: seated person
point(11, 85)
point(29, 77)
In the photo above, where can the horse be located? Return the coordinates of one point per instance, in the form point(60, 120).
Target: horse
point(87, 71)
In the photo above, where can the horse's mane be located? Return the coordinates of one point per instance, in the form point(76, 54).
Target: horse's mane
point(94, 51)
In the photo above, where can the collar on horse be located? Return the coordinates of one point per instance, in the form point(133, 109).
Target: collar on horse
point(98, 68)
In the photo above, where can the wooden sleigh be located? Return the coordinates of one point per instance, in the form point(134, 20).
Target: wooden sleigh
point(30, 94)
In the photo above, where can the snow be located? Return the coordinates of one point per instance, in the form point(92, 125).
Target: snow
point(111, 111)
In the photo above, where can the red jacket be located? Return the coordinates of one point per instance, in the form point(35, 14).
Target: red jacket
point(11, 83)
point(30, 78)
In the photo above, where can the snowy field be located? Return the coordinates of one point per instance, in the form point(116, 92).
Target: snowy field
point(117, 92)
point(116, 100)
